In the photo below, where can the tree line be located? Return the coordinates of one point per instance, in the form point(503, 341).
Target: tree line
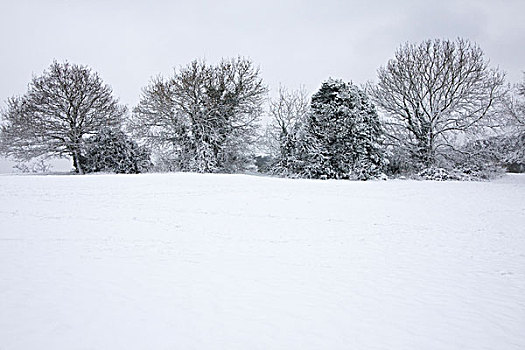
point(438, 110)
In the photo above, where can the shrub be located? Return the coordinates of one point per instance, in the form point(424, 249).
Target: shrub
point(112, 151)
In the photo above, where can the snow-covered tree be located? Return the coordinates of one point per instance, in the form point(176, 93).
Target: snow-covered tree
point(61, 108)
point(515, 157)
point(288, 114)
point(111, 150)
point(204, 117)
point(515, 107)
point(342, 134)
point(434, 95)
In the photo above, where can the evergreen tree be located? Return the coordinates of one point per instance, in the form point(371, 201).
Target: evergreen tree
point(342, 136)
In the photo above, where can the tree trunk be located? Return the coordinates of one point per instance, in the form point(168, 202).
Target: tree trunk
point(77, 164)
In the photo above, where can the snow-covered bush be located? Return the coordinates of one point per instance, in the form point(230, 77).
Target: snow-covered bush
point(399, 161)
point(437, 174)
point(490, 155)
point(466, 173)
point(112, 151)
point(514, 153)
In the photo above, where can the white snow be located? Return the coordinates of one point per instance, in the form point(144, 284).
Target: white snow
point(187, 261)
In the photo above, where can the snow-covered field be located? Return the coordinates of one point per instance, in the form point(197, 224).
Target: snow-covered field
point(186, 261)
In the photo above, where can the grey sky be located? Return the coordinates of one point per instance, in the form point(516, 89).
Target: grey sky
point(294, 42)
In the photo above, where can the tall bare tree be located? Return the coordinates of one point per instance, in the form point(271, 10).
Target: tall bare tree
point(204, 115)
point(288, 112)
point(62, 107)
point(434, 92)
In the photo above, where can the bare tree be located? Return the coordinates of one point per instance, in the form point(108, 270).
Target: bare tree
point(435, 92)
point(205, 116)
point(288, 111)
point(60, 109)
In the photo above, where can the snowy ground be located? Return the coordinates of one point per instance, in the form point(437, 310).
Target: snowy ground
point(185, 261)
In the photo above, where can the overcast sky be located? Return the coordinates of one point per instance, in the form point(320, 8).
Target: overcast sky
point(294, 42)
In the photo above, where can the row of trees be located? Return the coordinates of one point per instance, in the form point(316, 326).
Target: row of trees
point(444, 114)
point(433, 105)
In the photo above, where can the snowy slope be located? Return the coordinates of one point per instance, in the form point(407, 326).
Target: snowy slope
point(186, 261)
